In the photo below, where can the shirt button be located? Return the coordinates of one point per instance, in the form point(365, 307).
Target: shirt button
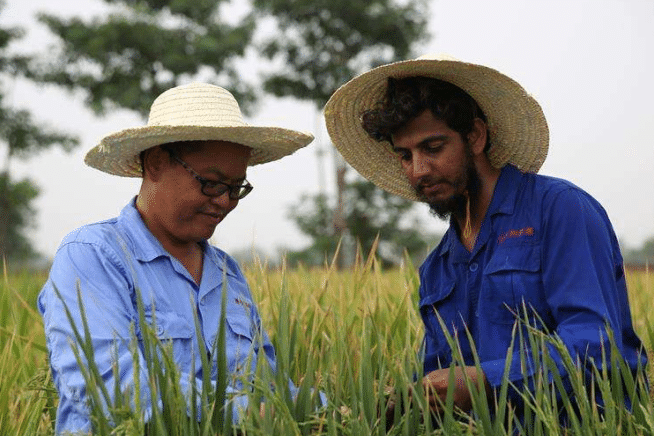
point(474, 266)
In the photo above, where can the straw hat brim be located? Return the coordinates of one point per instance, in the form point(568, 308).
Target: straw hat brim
point(517, 125)
point(118, 153)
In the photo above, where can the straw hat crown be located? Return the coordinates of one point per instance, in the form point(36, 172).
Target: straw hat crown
point(193, 112)
point(197, 104)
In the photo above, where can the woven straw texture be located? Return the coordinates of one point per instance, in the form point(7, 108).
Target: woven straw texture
point(517, 125)
point(194, 112)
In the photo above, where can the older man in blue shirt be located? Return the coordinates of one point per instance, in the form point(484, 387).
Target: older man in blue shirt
point(468, 140)
point(192, 157)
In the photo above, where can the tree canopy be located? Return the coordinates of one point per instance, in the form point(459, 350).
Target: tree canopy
point(319, 45)
point(140, 48)
point(21, 137)
point(316, 47)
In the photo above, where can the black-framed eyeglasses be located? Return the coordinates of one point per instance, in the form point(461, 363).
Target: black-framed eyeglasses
point(212, 188)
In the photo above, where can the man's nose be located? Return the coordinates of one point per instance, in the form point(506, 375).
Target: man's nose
point(223, 200)
point(419, 165)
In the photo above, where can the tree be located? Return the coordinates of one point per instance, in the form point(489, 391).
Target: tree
point(22, 138)
point(16, 217)
point(372, 215)
point(140, 48)
point(318, 46)
point(643, 256)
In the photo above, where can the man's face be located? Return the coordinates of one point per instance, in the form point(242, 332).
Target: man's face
point(438, 163)
point(181, 212)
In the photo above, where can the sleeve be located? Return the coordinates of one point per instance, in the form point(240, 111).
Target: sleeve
point(249, 325)
point(584, 287)
point(583, 276)
point(105, 292)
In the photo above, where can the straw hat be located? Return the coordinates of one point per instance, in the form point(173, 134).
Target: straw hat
point(517, 126)
point(194, 112)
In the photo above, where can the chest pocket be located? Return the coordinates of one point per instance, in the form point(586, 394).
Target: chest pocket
point(241, 317)
point(512, 277)
point(169, 325)
point(172, 328)
point(440, 303)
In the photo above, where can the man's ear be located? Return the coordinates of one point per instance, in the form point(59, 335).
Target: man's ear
point(154, 160)
point(478, 136)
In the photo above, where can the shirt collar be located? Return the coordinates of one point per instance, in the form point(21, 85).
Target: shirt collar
point(217, 263)
point(146, 247)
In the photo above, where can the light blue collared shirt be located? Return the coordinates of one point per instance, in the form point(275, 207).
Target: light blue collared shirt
point(108, 261)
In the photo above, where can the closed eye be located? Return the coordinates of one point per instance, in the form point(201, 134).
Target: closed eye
point(433, 144)
point(432, 148)
point(214, 183)
point(403, 154)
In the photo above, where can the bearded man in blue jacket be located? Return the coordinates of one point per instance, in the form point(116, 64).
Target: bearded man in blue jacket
point(468, 141)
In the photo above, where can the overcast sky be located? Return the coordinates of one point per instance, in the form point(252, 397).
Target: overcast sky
point(588, 62)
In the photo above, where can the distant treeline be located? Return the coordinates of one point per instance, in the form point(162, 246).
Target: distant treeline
point(640, 258)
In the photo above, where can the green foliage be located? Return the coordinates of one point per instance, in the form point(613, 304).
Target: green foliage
point(128, 56)
point(351, 334)
point(27, 396)
point(121, 412)
point(138, 49)
point(21, 137)
point(319, 45)
point(19, 133)
point(316, 222)
point(374, 218)
point(10, 64)
point(641, 256)
point(16, 217)
point(316, 46)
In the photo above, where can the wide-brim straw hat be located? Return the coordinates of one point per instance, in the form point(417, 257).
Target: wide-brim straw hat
point(517, 126)
point(193, 112)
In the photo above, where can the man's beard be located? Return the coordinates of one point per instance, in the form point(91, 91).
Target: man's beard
point(468, 182)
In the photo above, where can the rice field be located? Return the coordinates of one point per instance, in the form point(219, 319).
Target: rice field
point(349, 334)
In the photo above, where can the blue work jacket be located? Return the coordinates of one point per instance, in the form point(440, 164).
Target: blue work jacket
point(546, 249)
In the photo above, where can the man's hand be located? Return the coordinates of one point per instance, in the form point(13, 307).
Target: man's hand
point(435, 385)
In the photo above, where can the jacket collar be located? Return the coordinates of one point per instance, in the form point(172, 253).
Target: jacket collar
point(503, 202)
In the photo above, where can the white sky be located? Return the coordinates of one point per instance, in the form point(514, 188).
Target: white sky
point(588, 62)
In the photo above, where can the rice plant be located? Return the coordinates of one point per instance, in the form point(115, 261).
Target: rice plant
point(354, 336)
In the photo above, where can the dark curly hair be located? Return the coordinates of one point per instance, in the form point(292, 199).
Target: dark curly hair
point(407, 98)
